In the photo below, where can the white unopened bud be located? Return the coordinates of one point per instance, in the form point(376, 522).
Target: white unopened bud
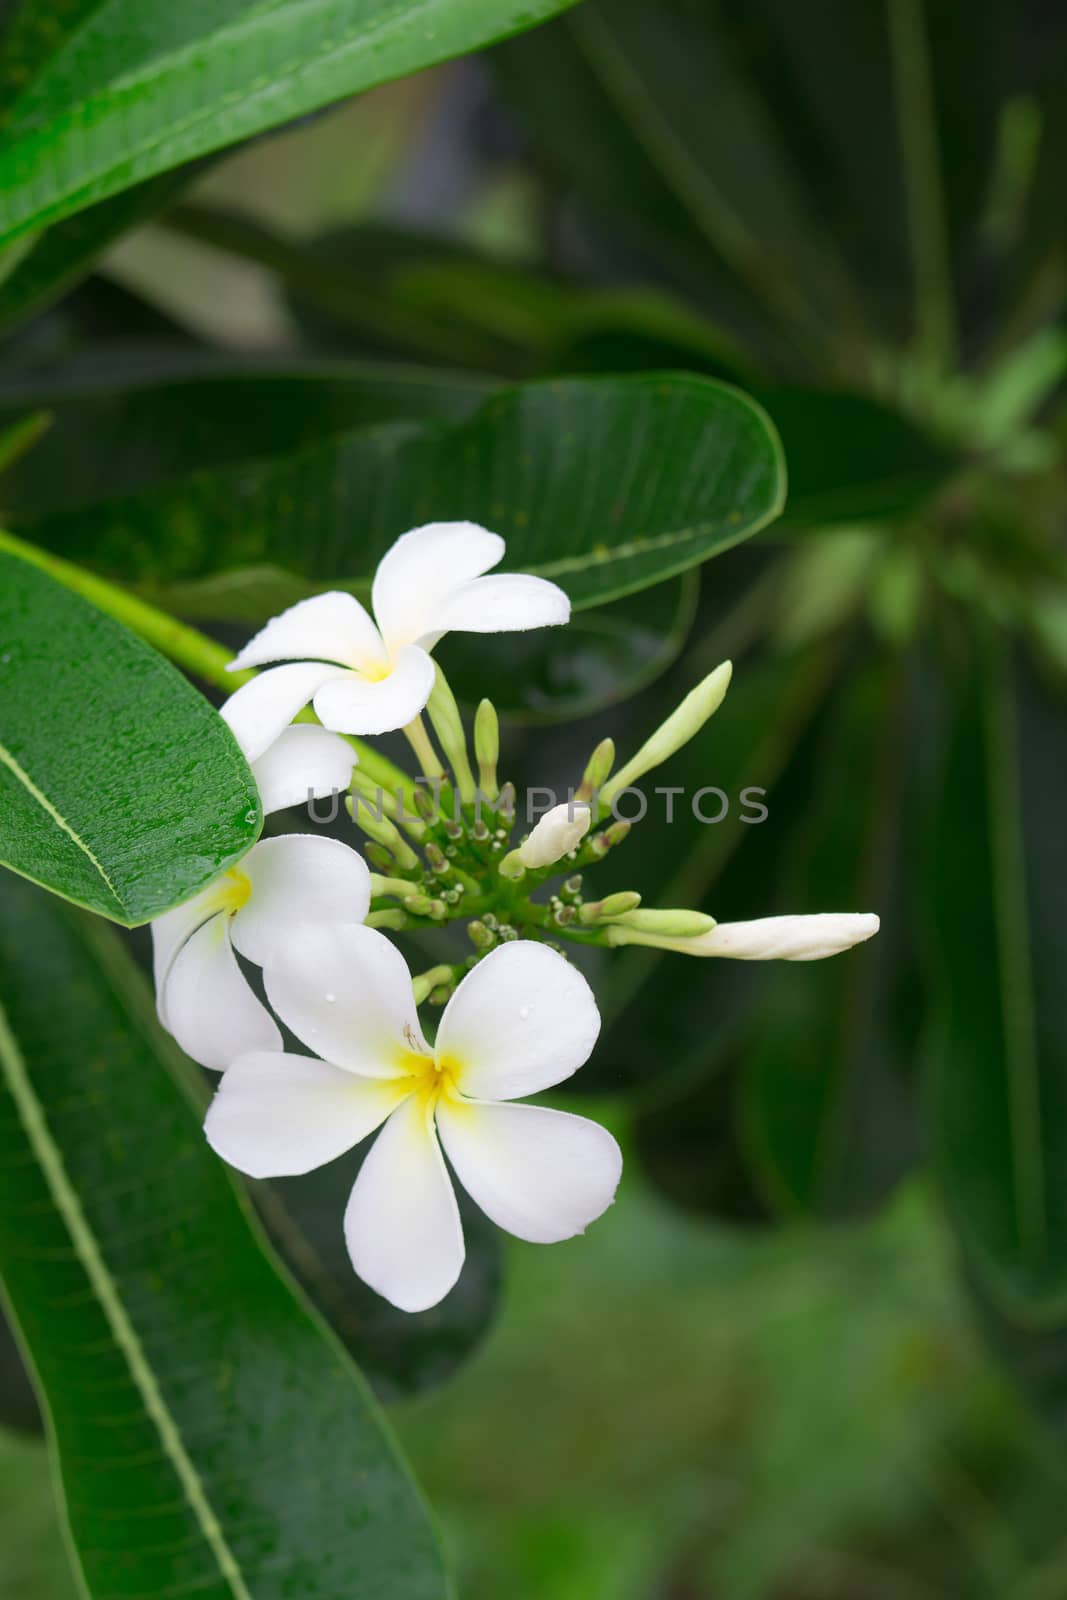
point(765, 939)
point(556, 834)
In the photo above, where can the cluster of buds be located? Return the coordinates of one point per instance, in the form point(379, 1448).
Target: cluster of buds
point(443, 849)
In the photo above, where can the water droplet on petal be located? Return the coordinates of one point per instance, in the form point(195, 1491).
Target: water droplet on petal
point(524, 1012)
point(330, 998)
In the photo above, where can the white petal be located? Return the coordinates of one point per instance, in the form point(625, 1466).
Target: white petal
point(523, 1019)
point(346, 992)
point(784, 938)
point(543, 1175)
point(169, 933)
point(508, 602)
point(555, 834)
point(402, 1223)
point(303, 761)
point(378, 705)
point(329, 627)
point(277, 1115)
point(297, 878)
point(263, 708)
point(211, 1011)
point(421, 568)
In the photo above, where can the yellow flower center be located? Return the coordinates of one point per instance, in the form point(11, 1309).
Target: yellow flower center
point(430, 1078)
point(234, 889)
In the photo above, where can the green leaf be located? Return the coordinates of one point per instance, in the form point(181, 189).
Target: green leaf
point(604, 485)
point(122, 423)
point(210, 1436)
point(120, 787)
point(18, 1403)
point(400, 1353)
point(60, 256)
point(851, 458)
point(826, 1117)
point(128, 94)
point(998, 1070)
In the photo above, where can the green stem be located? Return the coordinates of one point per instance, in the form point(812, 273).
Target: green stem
point(425, 754)
point(186, 646)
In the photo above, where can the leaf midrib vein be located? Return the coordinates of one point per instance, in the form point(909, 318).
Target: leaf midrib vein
point(91, 1257)
point(21, 776)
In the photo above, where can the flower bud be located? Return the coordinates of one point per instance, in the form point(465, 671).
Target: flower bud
point(426, 982)
point(399, 888)
point(487, 747)
point(555, 834)
point(688, 719)
point(613, 905)
point(597, 769)
point(448, 726)
point(765, 939)
point(395, 919)
point(480, 936)
point(383, 832)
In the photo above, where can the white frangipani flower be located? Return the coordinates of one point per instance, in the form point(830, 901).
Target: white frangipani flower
point(521, 1020)
point(371, 676)
point(790, 938)
point(556, 834)
point(255, 907)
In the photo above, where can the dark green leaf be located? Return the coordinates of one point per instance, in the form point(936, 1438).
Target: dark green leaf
point(851, 458)
point(210, 1435)
point(123, 422)
point(998, 1082)
point(604, 485)
point(18, 1403)
point(603, 656)
point(57, 258)
point(131, 93)
point(827, 1119)
point(120, 788)
point(400, 1353)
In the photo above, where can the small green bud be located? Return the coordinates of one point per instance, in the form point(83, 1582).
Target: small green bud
point(480, 936)
point(427, 982)
point(511, 867)
point(572, 888)
point(436, 857)
point(688, 719)
point(399, 888)
point(613, 905)
point(426, 803)
point(372, 796)
point(394, 920)
point(506, 801)
point(597, 770)
point(383, 832)
point(379, 857)
point(448, 726)
point(563, 915)
point(487, 747)
point(480, 831)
